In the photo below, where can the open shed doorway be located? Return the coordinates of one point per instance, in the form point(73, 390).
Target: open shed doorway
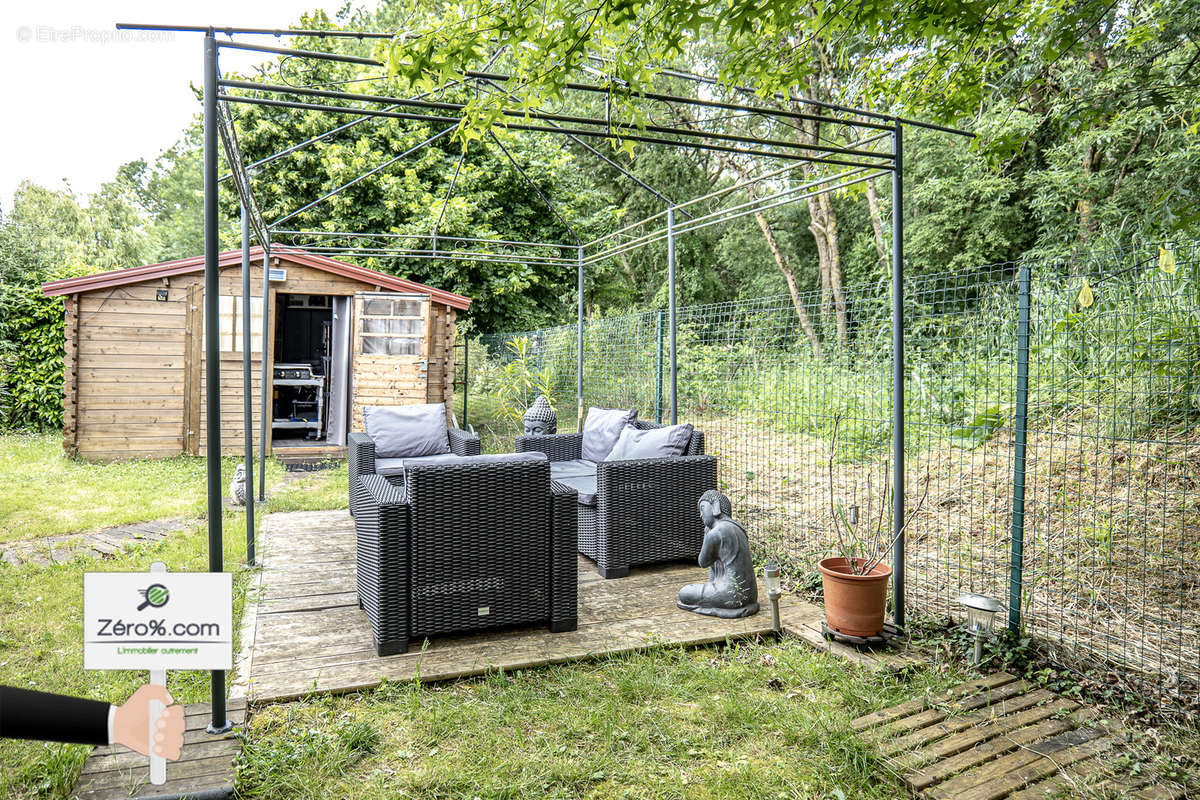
point(310, 377)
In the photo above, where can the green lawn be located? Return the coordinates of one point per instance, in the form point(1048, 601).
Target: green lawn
point(46, 493)
point(748, 721)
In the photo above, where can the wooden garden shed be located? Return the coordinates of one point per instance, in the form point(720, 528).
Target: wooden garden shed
point(341, 337)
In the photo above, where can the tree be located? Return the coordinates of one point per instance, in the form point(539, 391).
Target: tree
point(485, 189)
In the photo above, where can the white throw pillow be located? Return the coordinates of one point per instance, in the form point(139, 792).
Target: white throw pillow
point(655, 443)
point(407, 431)
point(601, 430)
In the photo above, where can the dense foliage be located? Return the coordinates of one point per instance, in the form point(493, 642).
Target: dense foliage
point(33, 379)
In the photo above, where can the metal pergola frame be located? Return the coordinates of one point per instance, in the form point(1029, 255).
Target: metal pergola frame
point(850, 164)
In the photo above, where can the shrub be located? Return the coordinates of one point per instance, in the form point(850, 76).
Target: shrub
point(32, 331)
point(519, 381)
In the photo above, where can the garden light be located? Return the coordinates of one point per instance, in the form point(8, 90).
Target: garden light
point(774, 592)
point(981, 616)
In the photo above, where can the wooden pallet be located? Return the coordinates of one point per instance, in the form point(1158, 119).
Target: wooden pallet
point(1000, 737)
point(205, 768)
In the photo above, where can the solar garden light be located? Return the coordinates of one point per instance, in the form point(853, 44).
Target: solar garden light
point(774, 592)
point(981, 616)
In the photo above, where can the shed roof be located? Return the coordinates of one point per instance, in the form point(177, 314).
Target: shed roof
point(230, 258)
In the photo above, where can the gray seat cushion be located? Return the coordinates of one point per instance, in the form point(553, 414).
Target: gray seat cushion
point(584, 485)
point(577, 468)
point(395, 466)
point(580, 475)
point(499, 458)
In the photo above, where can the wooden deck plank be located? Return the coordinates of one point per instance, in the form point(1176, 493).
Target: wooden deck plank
point(1052, 759)
point(941, 711)
point(1018, 743)
point(913, 759)
point(990, 748)
point(531, 649)
point(1070, 780)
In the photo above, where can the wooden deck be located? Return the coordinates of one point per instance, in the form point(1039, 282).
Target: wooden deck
point(205, 768)
point(303, 632)
point(998, 737)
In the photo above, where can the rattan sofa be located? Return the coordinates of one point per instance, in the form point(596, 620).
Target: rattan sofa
point(489, 542)
point(639, 512)
point(361, 460)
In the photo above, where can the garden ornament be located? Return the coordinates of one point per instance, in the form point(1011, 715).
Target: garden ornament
point(237, 487)
point(540, 419)
point(731, 590)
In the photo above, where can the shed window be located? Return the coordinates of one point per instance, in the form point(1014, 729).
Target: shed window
point(392, 326)
point(229, 311)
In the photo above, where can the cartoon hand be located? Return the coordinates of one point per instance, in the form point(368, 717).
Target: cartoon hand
point(131, 723)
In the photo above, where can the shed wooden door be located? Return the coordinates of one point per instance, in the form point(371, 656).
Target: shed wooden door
point(391, 351)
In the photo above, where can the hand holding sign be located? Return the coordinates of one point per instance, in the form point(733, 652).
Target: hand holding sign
point(131, 723)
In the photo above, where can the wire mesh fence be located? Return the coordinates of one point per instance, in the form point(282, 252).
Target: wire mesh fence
point(1099, 460)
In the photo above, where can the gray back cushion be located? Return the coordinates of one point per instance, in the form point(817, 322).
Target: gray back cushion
point(406, 431)
point(665, 442)
point(601, 430)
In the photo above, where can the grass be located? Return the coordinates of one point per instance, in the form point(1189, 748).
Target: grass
point(747, 721)
point(313, 492)
point(46, 494)
point(41, 608)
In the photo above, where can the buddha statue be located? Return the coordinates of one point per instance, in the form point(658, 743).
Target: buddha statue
point(540, 419)
point(732, 589)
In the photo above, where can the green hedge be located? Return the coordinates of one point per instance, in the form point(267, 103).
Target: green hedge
point(32, 332)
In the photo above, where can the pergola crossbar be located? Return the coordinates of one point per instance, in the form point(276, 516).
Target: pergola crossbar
point(611, 127)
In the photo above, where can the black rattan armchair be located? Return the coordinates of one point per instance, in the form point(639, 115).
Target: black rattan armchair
point(641, 511)
point(463, 547)
point(361, 459)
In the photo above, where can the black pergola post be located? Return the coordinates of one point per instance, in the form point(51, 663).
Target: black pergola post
point(579, 342)
point(265, 421)
point(671, 313)
point(212, 355)
point(247, 387)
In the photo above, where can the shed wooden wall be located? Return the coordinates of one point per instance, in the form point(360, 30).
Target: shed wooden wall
point(381, 380)
point(135, 371)
point(125, 372)
point(440, 387)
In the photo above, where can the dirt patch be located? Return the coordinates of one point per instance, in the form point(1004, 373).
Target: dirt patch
point(1111, 530)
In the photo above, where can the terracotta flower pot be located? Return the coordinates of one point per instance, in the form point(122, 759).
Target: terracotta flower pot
point(854, 604)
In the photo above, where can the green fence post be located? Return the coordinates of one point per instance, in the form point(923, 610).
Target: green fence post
point(1015, 576)
point(658, 382)
point(466, 379)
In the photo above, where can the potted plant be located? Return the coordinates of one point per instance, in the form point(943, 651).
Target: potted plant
point(854, 580)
